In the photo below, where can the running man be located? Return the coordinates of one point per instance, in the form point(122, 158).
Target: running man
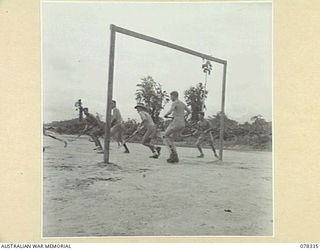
point(117, 126)
point(151, 128)
point(176, 126)
point(92, 128)
point(204, 128)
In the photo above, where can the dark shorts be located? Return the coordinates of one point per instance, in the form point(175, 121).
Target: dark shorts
point(94, 131)
point(149, 134)
point(117, 131)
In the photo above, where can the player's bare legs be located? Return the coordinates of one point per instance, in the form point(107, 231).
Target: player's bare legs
point(96, 140)
point(212, 147)
point(146, 141)
point(168, 139)
point(117, 132)
point(198, 144)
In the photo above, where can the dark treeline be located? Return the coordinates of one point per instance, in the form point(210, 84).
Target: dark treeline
point(253, 134)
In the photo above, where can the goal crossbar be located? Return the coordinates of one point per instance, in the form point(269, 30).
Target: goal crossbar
point(166, 44)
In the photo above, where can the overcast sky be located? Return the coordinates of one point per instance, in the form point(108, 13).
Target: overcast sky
point(75, 40)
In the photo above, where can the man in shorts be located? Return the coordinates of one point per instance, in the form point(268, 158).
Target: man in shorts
point(151, 130)
point(93, 129)
point(204, 129)
point(177, 125)
point(117, 126)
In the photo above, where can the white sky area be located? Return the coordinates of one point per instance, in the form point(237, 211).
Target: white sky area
point(75, 39)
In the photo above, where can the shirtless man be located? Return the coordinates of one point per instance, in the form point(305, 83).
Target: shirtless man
point(151, 130)
point(117, 126)
point(204, 128)
point(176, 126)
point(92, 128)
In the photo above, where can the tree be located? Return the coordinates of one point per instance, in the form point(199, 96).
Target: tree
point(195, 97)
point(259, 125)
point(206, 68)
point(150, 93)
point(130, 126)
point(79, 108)
point(230, 126)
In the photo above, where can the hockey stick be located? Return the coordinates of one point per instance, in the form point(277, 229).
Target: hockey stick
point(130, 136)
point(65, 143)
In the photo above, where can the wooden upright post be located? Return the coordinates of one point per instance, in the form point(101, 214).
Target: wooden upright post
point(110, 89)
point(222, 115)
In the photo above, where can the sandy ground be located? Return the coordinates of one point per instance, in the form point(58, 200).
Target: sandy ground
point(141, 196)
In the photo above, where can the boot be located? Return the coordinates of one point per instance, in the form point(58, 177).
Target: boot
point(170, 157)
point(100, 151)
point(156, 153)
point(173, 158)
point(158, 150)
point(154, 156)
point(126, 149)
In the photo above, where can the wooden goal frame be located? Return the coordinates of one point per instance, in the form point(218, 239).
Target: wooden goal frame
point(113, 30)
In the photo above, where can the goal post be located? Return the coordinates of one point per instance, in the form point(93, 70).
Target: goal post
point(113, 30)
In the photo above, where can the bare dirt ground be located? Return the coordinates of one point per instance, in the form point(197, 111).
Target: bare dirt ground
point(148, 197)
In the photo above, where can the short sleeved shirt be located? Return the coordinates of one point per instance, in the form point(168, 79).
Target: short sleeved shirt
point(145, 116)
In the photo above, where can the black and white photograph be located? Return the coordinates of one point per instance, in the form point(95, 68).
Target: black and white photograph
point(157, 119)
